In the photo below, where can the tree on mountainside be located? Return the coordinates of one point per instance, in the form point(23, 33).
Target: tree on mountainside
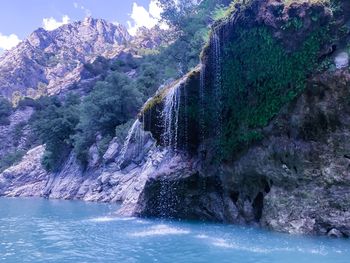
point(5, 111)
point(55, 124)
point(189, 23)
point(112, 102)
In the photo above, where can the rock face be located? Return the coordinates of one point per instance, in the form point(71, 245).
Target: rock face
point(26, 178)
point(50, 62)
point(305, 160)
point(108, 183)
point(295, 181)
point(17, 135)
point(342, 60)
point(148, 38)
point(53, 63)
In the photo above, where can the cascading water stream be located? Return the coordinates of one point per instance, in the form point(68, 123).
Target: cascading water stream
point(186, 119)
point(215, 41)
point(202, 98)
point(134, 133)
point(170, 137)
point(217, 85)
point(170, 116)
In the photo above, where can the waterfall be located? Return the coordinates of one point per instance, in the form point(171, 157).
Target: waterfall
point(167, 198)
point(201, 98)
point(134, 133)
point(171, 116)
point(215, 40)
point(170, 138)
point(186, 119)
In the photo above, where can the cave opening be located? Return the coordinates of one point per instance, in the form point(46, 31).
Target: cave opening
point(266, 186)
point(258, 205)
point(234, 196)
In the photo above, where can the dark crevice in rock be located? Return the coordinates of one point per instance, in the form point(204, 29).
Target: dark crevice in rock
point(234, 196)
point(267, 187)
point(295, 169)
point(346, 156)
point(258, 205)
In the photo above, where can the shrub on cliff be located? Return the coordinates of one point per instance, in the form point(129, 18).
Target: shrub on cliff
point(10, 159)
point(189, 24)
point(5, 111)
point(112, 102)
point(54, 124)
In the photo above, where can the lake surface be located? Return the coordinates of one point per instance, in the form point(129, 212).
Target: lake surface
point(37, 230)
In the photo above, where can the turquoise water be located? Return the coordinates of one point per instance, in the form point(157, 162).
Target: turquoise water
point(35, 230)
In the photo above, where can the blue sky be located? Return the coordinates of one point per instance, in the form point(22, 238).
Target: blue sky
point(18, 18)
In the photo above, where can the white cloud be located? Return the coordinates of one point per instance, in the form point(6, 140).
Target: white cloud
point(154, 9)
point(51, 23)
point(86, 10)
point(145, 18)
point(8, 42)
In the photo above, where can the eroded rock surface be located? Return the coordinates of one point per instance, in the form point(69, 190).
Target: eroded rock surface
point(16, 136)
point(296, 180)
point(52, 62)
point(104, 183)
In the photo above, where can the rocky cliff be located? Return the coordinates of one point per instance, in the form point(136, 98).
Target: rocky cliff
point(51, 62)
point(286, 167)
point(122, 177)
point(295, 180)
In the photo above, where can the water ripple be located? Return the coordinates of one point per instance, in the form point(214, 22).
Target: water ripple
point(42, 231)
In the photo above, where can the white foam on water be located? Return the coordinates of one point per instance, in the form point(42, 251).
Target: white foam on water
point(202, 236)
point(319, 251)
point(104, 219)
point(161, 230)
point(254, 249)
point(142, 222)
point(220, 242)
point(223, 243)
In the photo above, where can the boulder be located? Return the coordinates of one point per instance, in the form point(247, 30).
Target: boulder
point(341, 60)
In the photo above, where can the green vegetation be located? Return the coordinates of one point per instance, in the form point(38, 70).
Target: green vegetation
point(5, 111)
point(190, 31)
point(107, 110)
point(295, 23)
point(259, 77)
point(76, 124)
point(289, 2)
point(113, 102)
point(220, 13)
point(54, 123)
point(17, 132)
point(10, 159)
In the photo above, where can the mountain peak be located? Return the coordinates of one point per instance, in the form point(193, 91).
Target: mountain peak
point(51, 61)
point(89, 20)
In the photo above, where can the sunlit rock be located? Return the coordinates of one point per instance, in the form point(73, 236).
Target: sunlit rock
point(342, 60)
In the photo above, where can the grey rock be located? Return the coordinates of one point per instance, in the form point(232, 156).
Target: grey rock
point(16, 135)
point(112, 151)
point(296, 180)
point(335, 233)
point(94, 156)
point(51, 62)
point(99, 184)
point(28, 178)
point(341, 60)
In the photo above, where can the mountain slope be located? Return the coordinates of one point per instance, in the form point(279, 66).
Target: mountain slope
point(49, 62)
